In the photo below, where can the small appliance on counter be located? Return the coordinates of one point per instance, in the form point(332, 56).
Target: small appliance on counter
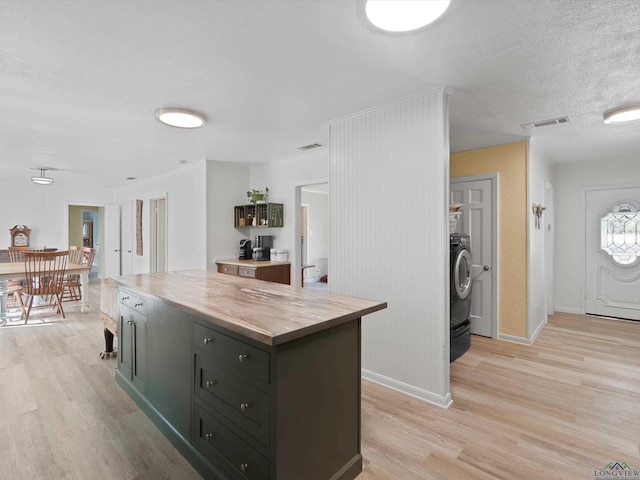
point(262, 248)
point(278, 255)
point(246, 253)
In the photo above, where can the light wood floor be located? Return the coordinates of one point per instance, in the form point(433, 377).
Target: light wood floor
point(555, 410)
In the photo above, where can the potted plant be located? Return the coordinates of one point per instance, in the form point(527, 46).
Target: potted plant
point(258, 196)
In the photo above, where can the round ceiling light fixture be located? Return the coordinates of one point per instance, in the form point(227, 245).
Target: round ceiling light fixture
point(622, 115)
point(181, 117)
point(404, 15)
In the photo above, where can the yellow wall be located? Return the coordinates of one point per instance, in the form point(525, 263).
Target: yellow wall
point(510, 162)
point(75, 225)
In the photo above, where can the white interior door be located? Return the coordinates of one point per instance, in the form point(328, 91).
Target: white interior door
point(612, 249)
point(127, 210)
point(111, 241)
point(478, 220)
point(158, 235)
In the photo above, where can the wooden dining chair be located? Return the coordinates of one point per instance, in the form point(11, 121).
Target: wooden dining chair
point(44, 273)
point(82, 256)
point(15, 253)
point(15, 287)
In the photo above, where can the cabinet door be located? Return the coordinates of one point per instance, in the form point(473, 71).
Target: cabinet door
point(139, 358)
point(125, 345)
point(132, 346)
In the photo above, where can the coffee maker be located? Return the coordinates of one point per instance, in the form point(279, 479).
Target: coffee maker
point(262, 248)
point(246, 252)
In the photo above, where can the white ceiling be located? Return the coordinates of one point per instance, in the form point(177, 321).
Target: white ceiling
point(80, 81)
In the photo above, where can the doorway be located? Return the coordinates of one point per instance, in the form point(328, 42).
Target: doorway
point(158, 235)
point(478, 196)
point(612, 252)
point(85, 228)
point(313, 254)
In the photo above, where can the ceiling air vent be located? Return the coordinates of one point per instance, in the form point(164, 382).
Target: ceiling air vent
point(311, 146)
point(546, 123)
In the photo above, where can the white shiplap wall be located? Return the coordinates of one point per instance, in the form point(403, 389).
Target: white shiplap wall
point(389, 177)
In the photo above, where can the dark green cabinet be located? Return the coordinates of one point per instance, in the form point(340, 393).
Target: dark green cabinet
point(132, 339)
point(239, 409)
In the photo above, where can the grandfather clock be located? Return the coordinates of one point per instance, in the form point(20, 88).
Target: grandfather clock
point(20, 236)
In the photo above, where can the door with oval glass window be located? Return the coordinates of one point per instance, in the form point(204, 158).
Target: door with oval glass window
point(612, 253)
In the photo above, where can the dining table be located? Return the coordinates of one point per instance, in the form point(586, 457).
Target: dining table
point(16, 271)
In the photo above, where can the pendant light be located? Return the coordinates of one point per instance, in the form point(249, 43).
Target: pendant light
point(42, 180)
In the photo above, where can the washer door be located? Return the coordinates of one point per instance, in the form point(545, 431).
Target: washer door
point(462, 274)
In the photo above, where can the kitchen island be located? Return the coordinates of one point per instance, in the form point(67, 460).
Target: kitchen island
point(250, 380)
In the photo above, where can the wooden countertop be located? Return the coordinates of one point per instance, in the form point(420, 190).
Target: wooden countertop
point(250, 263)
point(270, 313)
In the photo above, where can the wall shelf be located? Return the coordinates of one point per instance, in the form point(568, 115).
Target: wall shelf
point(260, 215)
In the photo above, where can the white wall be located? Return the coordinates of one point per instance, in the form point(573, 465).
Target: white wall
point(318, 238)
point(283, 177)
point(570, 182)
point(227, 184)
point(389, 181)
point(539, 173)
point(44, 209)
point(185, 190)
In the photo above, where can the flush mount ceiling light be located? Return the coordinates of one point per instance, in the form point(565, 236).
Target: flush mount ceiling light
point(42, 180)
point(404, 15)
point(181, 117)
point(622, 115)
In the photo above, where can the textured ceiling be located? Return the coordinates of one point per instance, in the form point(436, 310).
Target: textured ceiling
point(79, 81)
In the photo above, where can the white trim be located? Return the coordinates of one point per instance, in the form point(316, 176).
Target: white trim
point(561, 309)
point(444, 90)
point(549, 246)
point(412, 391)
point(535, 334)
point(515, 339)
point(314, 181)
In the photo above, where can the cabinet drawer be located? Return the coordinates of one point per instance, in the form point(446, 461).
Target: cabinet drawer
point(212, 435)
point(134, 302)
point(229, 269)
point(240, 355)
point(219, 387)
point(247, 272)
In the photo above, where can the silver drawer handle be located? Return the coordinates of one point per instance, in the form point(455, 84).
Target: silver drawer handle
point(244, 467)
point(130, 322)
point(125, 298)
point(244, 407)
point(210, 383)
point(243, 358)
point(208, 340)
point(209, 436)
point(138, 305)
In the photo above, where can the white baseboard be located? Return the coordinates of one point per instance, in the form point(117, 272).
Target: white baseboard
point(514, 338)
point(411, 390)
point(524, 340)
point(567, 310)
point(538, 330)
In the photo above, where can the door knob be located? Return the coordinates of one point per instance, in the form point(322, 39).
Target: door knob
point(486, 268)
